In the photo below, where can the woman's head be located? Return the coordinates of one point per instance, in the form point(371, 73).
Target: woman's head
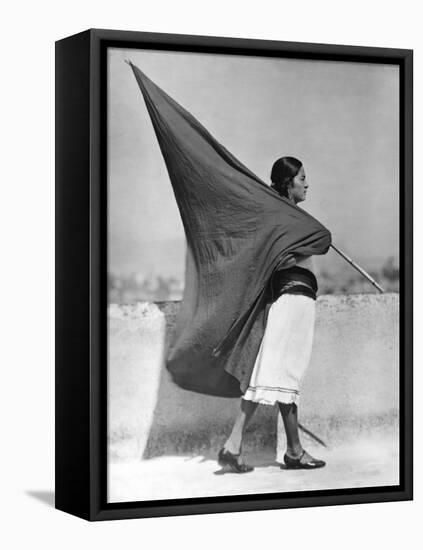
point(288, 179)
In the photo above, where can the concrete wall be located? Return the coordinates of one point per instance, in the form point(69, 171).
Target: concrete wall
point(351, 385)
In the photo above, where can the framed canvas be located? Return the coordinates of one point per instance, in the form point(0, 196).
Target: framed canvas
point(233, 274)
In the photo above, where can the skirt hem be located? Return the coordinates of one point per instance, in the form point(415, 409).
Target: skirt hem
point(270, 397)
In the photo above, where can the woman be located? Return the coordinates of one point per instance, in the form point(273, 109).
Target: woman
point(238, 230)
point(285, 349)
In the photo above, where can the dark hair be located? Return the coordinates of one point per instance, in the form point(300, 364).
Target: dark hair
point(283, 172)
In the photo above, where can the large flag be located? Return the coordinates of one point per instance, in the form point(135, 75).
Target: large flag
point(239, 231)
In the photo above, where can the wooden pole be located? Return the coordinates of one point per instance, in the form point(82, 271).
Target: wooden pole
point(358, 268)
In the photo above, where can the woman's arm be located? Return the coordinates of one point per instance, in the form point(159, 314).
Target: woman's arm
point(307, 262)
point(303, 261)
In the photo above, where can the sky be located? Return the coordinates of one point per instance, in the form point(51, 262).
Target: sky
point(340, 119)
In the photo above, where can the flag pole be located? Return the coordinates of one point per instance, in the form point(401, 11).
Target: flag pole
point(358, 268)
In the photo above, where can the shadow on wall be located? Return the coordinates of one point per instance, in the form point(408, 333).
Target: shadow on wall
point(350, 388)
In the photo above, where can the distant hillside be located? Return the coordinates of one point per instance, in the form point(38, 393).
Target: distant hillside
point(166, 258)
point(338, 278)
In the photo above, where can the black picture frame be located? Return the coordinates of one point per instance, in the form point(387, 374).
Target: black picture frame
point(81, 273)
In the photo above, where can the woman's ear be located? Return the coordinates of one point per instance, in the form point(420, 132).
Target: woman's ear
point(289, 188)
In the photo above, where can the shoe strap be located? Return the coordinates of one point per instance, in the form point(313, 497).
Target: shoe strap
point(229, 452)
point(298, 458)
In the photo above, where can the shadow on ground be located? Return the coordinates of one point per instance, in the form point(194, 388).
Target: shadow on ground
point(46, 497)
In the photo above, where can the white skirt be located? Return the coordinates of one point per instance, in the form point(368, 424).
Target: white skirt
point(284, 352)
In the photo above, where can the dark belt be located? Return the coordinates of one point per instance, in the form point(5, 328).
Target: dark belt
point(304, 290)
point(294, 280)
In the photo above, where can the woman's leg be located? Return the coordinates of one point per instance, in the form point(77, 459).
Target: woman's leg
point(289, 412)
point(234, 442)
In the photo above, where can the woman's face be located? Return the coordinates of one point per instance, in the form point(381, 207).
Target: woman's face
point(298, 188)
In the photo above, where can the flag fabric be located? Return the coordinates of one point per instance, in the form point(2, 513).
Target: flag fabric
point(239, 231)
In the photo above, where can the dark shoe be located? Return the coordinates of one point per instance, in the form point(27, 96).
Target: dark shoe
point(229, 461)
point(297, 464)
